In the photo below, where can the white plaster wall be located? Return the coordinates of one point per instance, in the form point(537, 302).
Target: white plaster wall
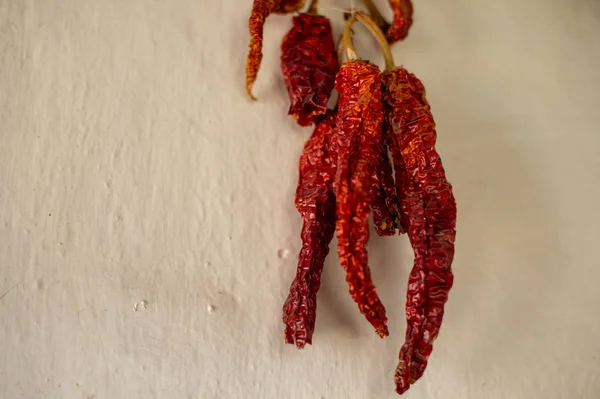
point(148, 233)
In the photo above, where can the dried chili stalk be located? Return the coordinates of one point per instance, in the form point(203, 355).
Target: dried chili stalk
point(309, 64)
point(359, 120)
point(315, 201)
point(261, 9)
point(431, 210)
point(401, 23)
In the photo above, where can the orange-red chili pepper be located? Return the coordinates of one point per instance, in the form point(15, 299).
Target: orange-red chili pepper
point(359, 120)
point(315, 201)
point(261, 9)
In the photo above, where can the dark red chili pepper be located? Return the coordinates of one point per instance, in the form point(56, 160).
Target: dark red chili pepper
point(309, 64)
point(315, 201)
point(384, 203)
point(359, 120)
point(261, 9)
point(431, 210)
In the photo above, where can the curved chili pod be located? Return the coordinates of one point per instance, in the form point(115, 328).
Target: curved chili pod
point(261, 9)
point(359, 120)
point(398, 29)
point(384, 202)
point(403, 12)
point(316, 203)
point(309, 64)
point(431, 210)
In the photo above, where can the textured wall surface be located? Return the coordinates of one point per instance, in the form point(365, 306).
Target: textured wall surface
point(148, 234)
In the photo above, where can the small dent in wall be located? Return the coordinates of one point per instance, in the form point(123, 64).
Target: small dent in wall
point(210, 308)
point(141, 305)
point(283, 253)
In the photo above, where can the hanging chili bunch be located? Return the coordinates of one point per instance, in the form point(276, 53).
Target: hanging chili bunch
point(374, 154)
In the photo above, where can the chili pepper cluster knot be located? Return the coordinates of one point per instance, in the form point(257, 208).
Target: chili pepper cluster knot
point(372, 155)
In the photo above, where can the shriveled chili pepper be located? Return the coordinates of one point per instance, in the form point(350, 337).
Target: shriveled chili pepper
point(401, 23)
point(384, 203)
point(359, 120)
point(315, 201)
point(309, 65)
point(261, 9)
point(431, 211)
point(428, 207)
point(403, 11)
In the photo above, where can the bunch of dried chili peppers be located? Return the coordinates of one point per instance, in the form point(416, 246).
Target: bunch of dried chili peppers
point(346, 172)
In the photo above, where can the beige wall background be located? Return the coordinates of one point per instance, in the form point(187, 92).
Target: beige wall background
point(148, 233)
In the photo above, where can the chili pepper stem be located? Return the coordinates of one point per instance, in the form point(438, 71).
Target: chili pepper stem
point(367, 21)
point(375, 14)
point(346, 40)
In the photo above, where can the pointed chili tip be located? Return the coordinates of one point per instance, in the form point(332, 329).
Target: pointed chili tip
point(300, 344)
point(382, 331)
point(249, 93)
point(401, 389)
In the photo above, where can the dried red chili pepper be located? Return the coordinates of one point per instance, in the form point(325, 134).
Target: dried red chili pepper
point(401, 23)
point(428, 209)
point(384, 203)
point(359, 120)
point(431, 210)
point(261, 9)
point(309, 65)
point(315, 201)
point(403, 11)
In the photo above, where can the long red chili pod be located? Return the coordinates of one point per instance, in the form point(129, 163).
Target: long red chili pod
point(309, 64)
point(359, 121)
point(384, 203)
point(431, 210)
point(261, 9)
point(316, 203)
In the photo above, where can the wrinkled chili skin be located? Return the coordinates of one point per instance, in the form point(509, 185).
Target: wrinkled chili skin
point(431, 210)
point(403, 13)
point(384, 202)
point(315, 201)
point(359, 120)
point(309, 64)
point(261, 9)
